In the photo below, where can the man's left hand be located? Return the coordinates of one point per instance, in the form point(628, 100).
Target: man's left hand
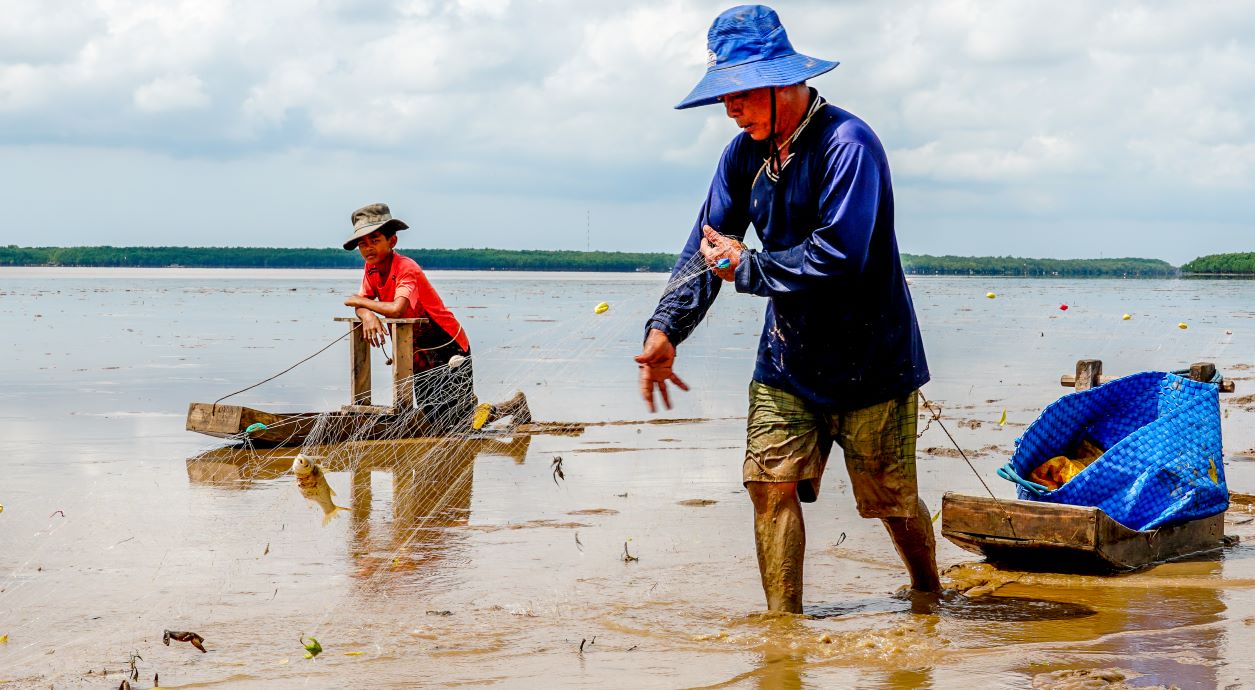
point(715, 247)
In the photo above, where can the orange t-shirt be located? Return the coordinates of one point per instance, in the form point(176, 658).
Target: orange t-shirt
point(400, 276)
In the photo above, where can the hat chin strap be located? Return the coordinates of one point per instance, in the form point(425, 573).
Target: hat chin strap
point(771, 136)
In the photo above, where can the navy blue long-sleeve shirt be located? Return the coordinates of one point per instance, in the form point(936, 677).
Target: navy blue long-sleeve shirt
point(840, 329)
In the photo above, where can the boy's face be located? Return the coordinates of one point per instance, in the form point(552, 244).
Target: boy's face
point(376, 247)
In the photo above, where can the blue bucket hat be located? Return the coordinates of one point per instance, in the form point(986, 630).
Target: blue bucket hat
point(747, 48)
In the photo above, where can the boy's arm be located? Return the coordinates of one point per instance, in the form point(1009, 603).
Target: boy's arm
point(390, 310)
point(368, 311)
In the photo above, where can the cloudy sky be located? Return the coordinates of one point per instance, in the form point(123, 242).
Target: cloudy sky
point(1040, 128)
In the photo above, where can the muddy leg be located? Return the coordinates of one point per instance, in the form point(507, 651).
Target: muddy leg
point(780, 537)
point(913, 537)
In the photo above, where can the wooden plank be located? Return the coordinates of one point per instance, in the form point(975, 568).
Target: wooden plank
point(367, 409)
point(359, 366)
point(1088, 374)
point(1062, 538)
point(1024, 521)
point(403, 365)
point(1203, 371)
point(1127, 549)
point(1069, 381)
point(222, 421)
point(354, 319)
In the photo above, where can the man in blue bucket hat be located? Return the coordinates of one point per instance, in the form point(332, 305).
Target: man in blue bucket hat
point(840, 358)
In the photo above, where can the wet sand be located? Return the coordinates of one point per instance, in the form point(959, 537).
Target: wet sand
point(472, 565)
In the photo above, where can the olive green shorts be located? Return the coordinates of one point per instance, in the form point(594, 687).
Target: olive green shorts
point(788, 440)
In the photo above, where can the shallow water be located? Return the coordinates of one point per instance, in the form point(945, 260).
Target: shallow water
point(473, 565)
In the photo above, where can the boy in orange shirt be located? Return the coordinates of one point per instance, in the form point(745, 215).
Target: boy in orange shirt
point(393, 286)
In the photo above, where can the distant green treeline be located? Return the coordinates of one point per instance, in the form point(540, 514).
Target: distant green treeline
point(258, 257)
point(554, 260)
point(1226, 264)
point(1015, 266)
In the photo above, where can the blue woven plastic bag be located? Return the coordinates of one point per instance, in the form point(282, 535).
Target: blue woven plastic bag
point(1163, 462)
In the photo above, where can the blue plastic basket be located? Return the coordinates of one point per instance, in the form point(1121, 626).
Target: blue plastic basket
point(1162, 435)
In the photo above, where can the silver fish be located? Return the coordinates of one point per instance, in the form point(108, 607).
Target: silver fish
point(313, 485)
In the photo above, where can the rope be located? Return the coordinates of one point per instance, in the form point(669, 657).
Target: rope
point(452, 340)
point(935, 411)
point(326, 347)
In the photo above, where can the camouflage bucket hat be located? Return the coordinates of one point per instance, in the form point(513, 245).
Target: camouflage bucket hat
point(370, 218)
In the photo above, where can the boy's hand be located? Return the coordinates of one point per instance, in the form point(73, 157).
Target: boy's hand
point(373, 329)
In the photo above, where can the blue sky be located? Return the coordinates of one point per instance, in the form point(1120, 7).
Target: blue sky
point(1030, 128)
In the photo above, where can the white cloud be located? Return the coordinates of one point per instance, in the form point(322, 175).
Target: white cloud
point(183, 92)
point(1060, 108)
point(1033, 158)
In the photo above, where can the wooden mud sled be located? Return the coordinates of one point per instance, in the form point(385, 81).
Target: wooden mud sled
point(358, 420)
point(1053, 537)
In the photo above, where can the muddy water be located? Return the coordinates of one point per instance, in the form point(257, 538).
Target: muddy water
point(473, 565)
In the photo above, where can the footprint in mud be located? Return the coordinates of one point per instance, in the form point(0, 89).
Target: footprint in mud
point(1006, 609)
point(952, 604)
point(697, 502)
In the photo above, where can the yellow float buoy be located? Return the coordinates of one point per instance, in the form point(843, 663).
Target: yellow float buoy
point(1182, 326)
point(990, 295)
point(601, 308)
point(1126, 317)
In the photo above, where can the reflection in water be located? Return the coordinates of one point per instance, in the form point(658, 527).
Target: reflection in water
point(780, 671)
point(1162, 630)
point(430, 480)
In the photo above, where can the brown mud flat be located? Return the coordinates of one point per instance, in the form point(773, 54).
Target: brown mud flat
point(621, 449)
point(697, 502)
point(944, 452)
point(594, 511)
point(1090, 679)
point(978, 579)
point(1245, 402)
point(1241, 502)
point(530, 524)
point(656, 422)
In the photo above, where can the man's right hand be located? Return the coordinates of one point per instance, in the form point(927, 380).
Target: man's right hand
point(373, 329)
point(655, 361)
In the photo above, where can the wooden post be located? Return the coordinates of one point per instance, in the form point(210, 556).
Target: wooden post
point(402, 366)
point(1203, 371)
point(1088, 373)
point(359, 366)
